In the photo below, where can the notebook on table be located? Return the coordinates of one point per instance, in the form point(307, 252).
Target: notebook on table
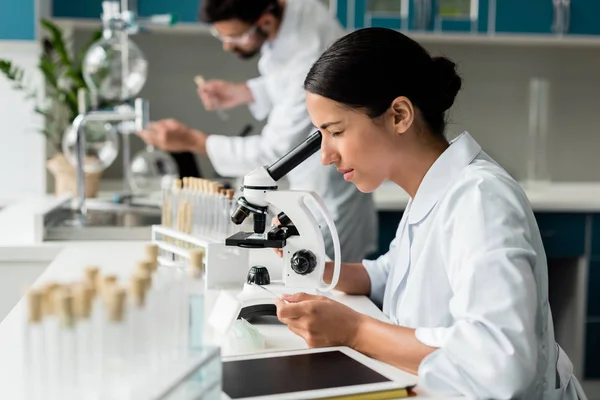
point(329, 373)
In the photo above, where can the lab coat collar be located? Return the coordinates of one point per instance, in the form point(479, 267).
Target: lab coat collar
point(284, 43)
point(444, 171)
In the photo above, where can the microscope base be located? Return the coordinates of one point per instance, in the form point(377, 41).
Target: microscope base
point(259, 301)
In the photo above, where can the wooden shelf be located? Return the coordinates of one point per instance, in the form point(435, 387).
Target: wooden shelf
point(499, 39)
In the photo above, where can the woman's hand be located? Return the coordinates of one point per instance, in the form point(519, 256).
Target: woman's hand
point(320, 321)
point(217, 94)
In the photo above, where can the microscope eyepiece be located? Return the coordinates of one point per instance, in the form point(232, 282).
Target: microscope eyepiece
point(295, 157)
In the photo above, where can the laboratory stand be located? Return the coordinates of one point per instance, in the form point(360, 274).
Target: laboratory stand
point(115, 71)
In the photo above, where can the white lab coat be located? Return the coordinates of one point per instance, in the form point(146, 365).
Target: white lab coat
point(468, 271)
point(306, 31)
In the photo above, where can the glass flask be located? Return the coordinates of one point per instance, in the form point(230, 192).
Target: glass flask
point(115, 68)
point(101, 145)
point(150, 168)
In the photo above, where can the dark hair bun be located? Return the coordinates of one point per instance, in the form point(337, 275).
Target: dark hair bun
point(447, 84)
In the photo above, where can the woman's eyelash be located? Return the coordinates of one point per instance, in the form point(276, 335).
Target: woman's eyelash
point(334, 134)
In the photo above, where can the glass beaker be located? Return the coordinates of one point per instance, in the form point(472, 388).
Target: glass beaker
point(150, 168)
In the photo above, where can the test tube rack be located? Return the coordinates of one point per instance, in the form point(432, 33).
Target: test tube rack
point(224, 266)
point(102, 338)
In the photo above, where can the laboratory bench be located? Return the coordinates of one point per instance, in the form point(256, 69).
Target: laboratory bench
point(120, 259)
point(568, 215)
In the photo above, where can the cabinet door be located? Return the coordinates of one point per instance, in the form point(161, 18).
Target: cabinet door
point(77, 9)
point(583, 17)
point(455, 16)
point(518, 16)
point(382, 14)
point(185, 10)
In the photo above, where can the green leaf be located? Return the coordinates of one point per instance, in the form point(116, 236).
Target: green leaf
point(57, 40)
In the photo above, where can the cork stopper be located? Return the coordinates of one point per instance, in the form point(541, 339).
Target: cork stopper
point(146, 279)
point(91, 276)
point(49, 298)
point(152, 255)
point(34, 306)
point(177, 184)
point(108, 281)
point(83, 296)
point(230, 193)
point(196, 261)
point(116, 304)
point(64, 302)
point(138, 290)
point(199, 80)
point(145, 266)
point(186, 182)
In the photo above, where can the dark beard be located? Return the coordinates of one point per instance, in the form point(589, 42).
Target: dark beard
point(246, 55)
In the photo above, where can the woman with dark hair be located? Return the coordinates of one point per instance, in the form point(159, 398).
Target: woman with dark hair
point(465, 282)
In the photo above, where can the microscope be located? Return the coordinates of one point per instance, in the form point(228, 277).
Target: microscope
point(298, 235)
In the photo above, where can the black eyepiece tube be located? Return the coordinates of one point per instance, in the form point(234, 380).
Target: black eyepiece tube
point(295, 157)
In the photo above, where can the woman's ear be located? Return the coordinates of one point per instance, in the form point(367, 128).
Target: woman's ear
point(403, 113)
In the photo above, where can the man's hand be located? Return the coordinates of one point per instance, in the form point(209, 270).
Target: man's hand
point(174, 136)
point(216, 94)
point(320, 321)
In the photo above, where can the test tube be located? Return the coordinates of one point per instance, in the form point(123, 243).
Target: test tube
point(83, 295)
point(115, 384)
point(33, 347)
point(166, 215)
point(137, 328)
point(152, 314)
point(51, 337)
point(67, 345)
point(195, 292)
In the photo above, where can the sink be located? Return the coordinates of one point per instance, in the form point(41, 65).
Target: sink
point(102, 221)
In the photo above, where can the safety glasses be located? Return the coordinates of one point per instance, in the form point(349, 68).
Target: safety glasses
point(240, 39)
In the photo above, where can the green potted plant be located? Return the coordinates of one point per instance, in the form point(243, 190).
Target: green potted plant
point(63, 77)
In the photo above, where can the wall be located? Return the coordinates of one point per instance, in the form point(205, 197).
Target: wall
point(493, 105)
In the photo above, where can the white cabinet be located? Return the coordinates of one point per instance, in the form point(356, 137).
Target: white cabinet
point(15, 278)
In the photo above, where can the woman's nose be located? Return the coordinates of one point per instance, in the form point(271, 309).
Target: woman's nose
point(328, 156)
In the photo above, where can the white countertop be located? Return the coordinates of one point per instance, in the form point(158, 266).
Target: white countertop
point(20, 230)
point(120, 259)
point(551, 197)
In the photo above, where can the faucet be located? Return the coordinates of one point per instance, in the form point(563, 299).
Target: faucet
point(139, 115)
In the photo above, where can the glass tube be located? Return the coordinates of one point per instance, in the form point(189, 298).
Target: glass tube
point(537, 146)
point(33, 347)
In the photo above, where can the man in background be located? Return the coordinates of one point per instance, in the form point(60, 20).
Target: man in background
point(289, 36)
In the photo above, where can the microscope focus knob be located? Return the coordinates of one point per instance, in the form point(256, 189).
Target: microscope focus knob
point(258, 275)
point(304, 262)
